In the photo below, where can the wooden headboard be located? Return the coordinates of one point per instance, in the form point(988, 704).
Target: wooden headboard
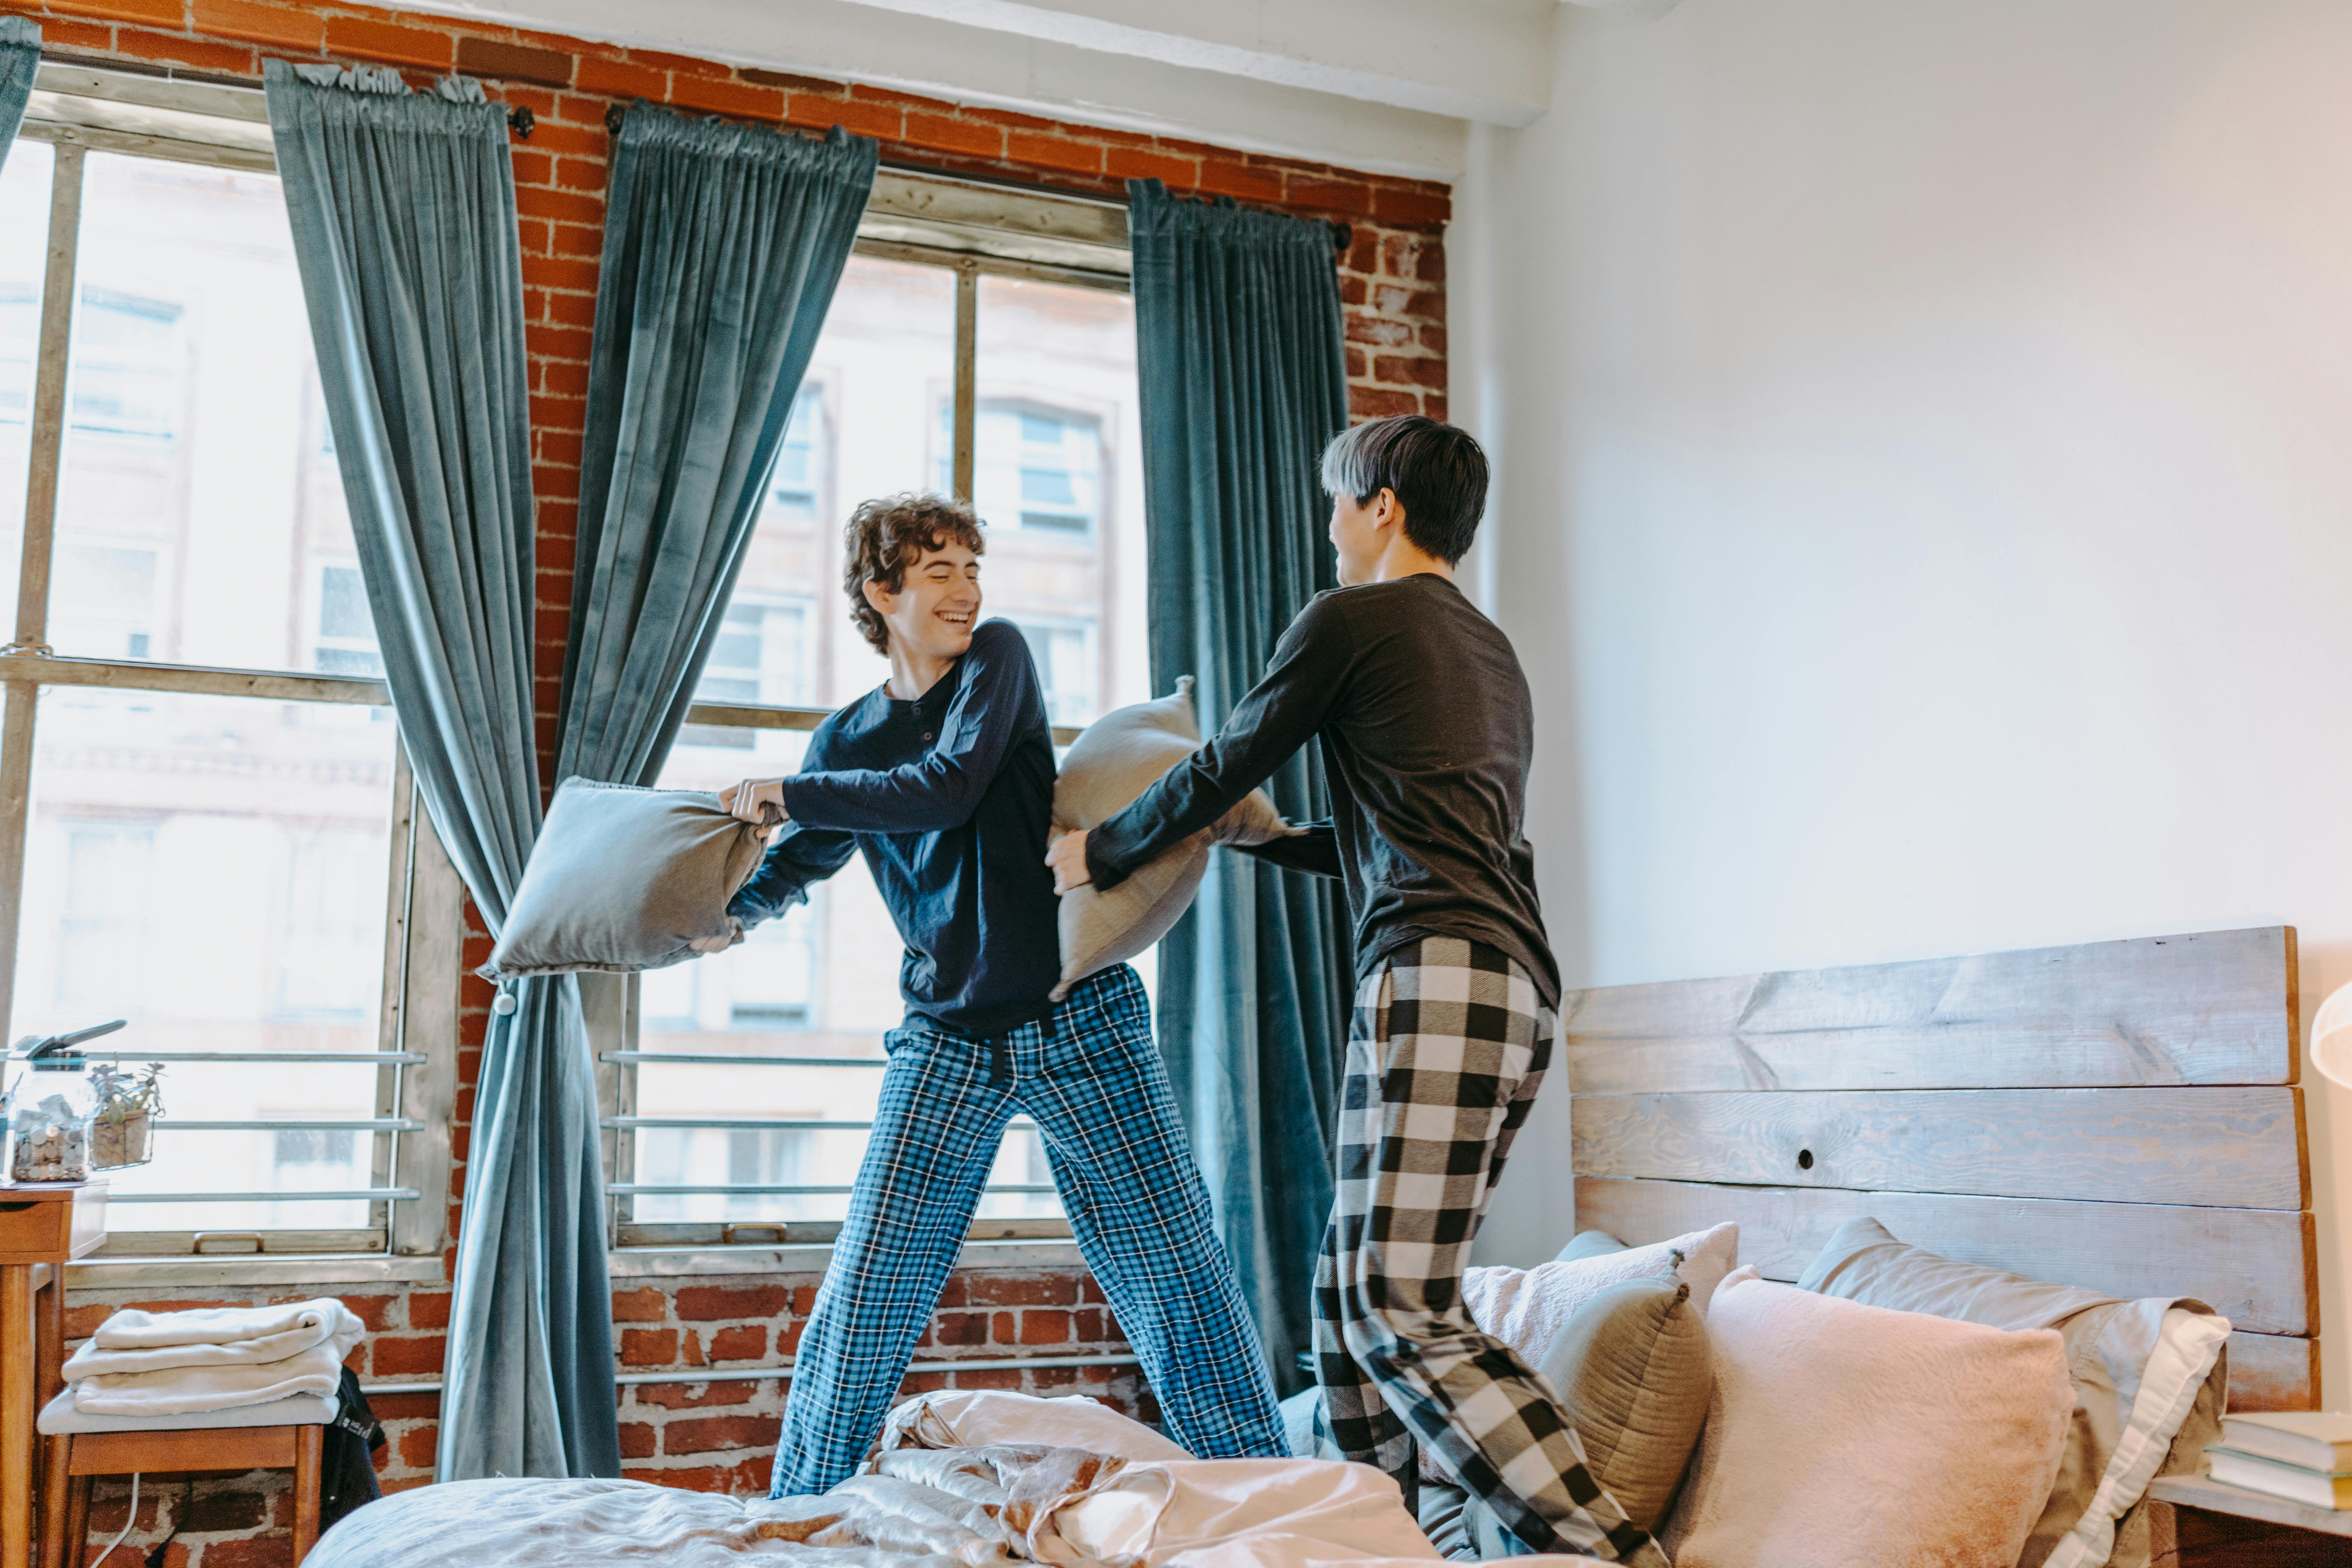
point(2121, 1116)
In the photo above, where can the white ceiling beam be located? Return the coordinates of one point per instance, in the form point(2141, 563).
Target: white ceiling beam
point(850, 41)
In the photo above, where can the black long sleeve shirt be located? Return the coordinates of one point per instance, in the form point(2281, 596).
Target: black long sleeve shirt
point(1426, 727)
point(948, 798)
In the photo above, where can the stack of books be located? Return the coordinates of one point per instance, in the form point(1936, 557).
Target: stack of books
point(2305, 1457)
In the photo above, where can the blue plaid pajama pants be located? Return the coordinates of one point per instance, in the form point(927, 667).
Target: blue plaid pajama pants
point(1091, 1077)
point(1446, 1048)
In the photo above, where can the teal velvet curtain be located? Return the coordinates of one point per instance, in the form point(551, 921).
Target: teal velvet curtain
point(20, 56)
point(722, 247)
point(404, 220)
point(1244, 382)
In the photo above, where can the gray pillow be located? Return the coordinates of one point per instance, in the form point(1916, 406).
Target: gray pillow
point(1631, 1371)
point(1589, 1244)
point(623, 880)
point(1119, 756)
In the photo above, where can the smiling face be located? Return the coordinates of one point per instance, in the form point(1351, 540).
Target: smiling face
point(932, 616)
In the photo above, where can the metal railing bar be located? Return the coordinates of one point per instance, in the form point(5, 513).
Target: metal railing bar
point(643, 1189)
point(785, 1124)
point(349, 1194)
point(352, 1124)
point(761, 1373)
point(706, 1059)
point(366, 1058)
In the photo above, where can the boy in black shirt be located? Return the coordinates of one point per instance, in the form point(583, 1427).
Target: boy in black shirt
point(944, 778)
point(1427, 728)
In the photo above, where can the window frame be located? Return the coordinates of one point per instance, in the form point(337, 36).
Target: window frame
point(993, 232)
point(77, 111)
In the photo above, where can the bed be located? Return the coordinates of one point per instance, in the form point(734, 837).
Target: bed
point(2120, 1116)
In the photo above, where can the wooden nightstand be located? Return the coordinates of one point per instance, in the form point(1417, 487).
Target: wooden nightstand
point(41, 1229)
point(2195, 1522)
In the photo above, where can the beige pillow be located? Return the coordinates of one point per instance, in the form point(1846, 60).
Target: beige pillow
point(2151, 1380)
point(1631, 1371)
point(1118, 757)
point(1846, 1434)
point(623, 880)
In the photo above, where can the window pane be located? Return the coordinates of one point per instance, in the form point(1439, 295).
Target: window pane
point(214, 869)
point(200, 517)
point(1057, 476)
point(861, 427)
point(23, 255)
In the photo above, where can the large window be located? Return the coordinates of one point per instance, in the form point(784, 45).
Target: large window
point(739, 1087)
point(205, 823)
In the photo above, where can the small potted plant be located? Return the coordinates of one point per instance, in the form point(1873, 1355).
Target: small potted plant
point(128, 1104)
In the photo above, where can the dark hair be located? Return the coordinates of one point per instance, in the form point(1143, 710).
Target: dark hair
point(889, 533)
point(1437, 470)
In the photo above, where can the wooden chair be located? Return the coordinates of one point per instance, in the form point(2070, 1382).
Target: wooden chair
point(286, 1434)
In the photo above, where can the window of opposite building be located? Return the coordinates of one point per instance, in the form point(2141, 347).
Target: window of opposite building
point(206, 827)
point(739, 1089)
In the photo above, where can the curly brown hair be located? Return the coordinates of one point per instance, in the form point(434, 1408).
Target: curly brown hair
point(889, 533)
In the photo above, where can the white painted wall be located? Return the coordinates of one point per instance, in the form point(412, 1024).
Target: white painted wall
point(1925, 488)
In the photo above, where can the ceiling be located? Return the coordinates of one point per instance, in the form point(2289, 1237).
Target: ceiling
point(1385, 85)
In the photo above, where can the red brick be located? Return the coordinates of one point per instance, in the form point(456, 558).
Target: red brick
point(552, 627)
point(1432, 339)
point(922, 1382)
point(541, 104)
point(1415, 206)
point(581, 240)
point(580, 173)
point(953, 1293)
point(418, 1446)
point(691, 1345)
point(1131, 163)
point(1045, 1327)
point(582, 141)
point(569, 309)
point(640, 1347)
point(257, 24)
point(639, 1440)
point(568, 345)
point(387, 41)
point(561, 206)
point(712, 1303)
point(1023, 1289)
point(883, 122)
point(1378, 403)
point(749, 1342)
point(1432, 404)
point(618, 78)
point(977, 137)
point(550, 412)
point(82, 1322)
point(1353, 291)
point(405, 1406)
point(1379, 331)
point(788, 81)
point(959, 1329)
point(1357, 367)
point(169, 13)
point(748, 1478)
point(974, 1378)
point(788, 1338)
point(397, 1484)
point(676, 1395)
point(1091, 1289)
point(1329, 195)
point(230, 59)
point(555, 479)
point(710, 1434)
point(254, 1552)
point(647, 1305)
point(513, 62)
point(690, 65)
point(573, 109)
point(1004, 1327)
point(735, 98)
point(1392, 300)
point(532, 236)
point(563, 376)
point(57, 33)
point(407, 1355)
point(1398, 371)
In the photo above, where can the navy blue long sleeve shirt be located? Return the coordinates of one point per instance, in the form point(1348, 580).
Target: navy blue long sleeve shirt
point(948, 798)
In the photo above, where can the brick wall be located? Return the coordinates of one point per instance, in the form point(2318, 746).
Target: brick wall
point(715, 1434)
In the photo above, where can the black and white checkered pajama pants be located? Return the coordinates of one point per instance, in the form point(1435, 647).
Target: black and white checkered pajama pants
point(1448, 1046)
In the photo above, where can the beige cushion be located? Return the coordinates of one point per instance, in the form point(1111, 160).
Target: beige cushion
point(1631, 1371)
point(1118, 757)
point(623, 880)
point(2150, 1379)
point(1844, 1434)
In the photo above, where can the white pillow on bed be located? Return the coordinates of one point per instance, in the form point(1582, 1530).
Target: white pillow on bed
point(1526, 1308)
point(977, 1417)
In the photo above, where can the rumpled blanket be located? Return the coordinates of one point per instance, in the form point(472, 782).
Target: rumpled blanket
point(218, 1358)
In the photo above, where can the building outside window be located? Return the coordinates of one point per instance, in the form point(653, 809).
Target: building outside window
point(216, 821)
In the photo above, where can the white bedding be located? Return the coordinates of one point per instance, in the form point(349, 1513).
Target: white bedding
point(924, 1507)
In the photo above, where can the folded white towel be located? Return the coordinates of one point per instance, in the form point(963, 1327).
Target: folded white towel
point(132, 1330)
point(318, 1370)
point(322, 1321)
